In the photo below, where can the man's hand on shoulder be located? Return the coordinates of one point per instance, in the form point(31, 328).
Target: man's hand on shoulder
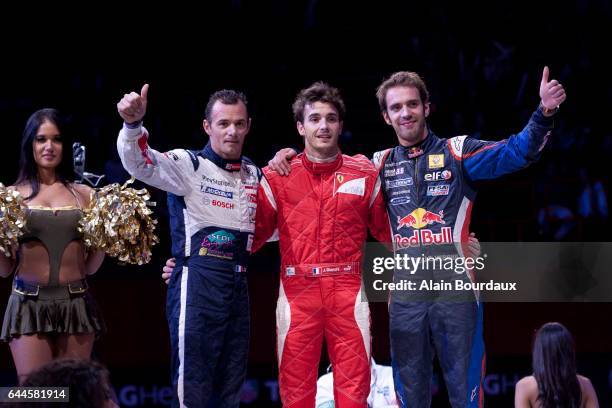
point(281, 162)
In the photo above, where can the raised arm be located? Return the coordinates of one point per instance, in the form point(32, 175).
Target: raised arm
point(165, 171)
point(488, 160)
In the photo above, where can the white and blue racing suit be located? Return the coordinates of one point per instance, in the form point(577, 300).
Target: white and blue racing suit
point(212, 204)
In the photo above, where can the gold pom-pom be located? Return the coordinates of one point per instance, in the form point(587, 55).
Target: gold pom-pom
point(119, 221)
point(12, 219)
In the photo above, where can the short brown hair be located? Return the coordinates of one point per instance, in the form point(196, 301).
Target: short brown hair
point(401, 78)
point(226, 97)
point(318, 92)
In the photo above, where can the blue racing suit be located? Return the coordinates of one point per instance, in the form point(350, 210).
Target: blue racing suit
point(212, 204)
point(429, 190)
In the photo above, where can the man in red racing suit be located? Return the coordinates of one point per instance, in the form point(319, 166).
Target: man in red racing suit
point(322, 212)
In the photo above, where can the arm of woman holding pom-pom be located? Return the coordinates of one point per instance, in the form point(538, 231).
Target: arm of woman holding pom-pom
point(11, 225)
point(93, 260)
point(7, 265)
point(93, 257)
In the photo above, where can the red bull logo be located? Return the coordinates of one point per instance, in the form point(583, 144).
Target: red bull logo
point(424, 237)
point(420, 218)
point(407, 221)
point(431, 218)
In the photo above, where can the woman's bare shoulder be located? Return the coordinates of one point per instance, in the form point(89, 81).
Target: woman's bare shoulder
point(83, 191)
point(24, 189)
point(588, 391)
point(528, 382)
point(526, 392)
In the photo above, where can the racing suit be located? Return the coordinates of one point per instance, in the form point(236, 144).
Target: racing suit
point(212, 204)
point(322, 212)
point(429, 190)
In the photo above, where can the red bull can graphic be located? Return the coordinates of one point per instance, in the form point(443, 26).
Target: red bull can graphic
point(418, 219)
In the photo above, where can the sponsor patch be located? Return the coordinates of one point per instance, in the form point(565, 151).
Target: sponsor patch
point(414, 152)
point(424, 237)
point(349, 184)
point(420, 218)
point(400, 192)
point(221, 183)
point(435, 161)
point(172, 156)
point(438, 190)
point(399, 200)
point(394, 172)
point(232, 166)
point(403, 182)
point(438, 175)
point(217, 192)
point(219, 244)
point(395, 164)
point(218, 203)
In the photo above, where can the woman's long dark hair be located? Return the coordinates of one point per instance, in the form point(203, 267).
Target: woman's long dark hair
point(554, 367)
point(28, 169)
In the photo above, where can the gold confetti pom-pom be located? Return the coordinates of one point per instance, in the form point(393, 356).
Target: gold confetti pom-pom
point(119, 221)
point(12, 219)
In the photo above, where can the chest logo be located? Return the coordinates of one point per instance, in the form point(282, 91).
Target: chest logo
point(435, 161)
point(438, 175)
point(347, 184)
point(420, 218)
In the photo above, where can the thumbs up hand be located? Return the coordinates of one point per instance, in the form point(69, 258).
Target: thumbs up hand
point(132, 107)
point(552, 92)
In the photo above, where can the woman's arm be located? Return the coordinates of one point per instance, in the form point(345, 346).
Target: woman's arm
point(7, 265)
point(93, 257)
point(93, 261)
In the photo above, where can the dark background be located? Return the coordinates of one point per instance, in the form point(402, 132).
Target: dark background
point(482, 64)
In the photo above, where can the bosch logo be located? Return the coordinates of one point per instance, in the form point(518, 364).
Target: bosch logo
point(222, 204)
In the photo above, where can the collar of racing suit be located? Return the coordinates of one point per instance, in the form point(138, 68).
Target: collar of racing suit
point(229, 165)
point(422, 147)
point(318, 168)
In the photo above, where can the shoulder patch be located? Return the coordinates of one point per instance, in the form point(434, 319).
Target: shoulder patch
point(252, 169)
point(194, 159)
point(456, 146)
point(379, 158)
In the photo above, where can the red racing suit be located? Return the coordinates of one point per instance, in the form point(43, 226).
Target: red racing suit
point(322, 212)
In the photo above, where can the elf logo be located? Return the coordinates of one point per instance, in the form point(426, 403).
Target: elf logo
point(438, 175)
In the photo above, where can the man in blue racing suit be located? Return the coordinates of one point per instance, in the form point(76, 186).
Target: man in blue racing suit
point(429, 191)
point(212, 201)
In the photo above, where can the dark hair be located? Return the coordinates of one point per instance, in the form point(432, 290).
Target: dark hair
point(318, 92)
point(88, 381)
point(28, 170)
point(401, 78)
point(554, 367)
point(226, 97)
